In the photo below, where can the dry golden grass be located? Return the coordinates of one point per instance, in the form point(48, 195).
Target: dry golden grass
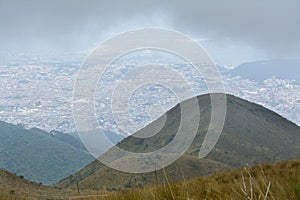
point(280, 181)
point(15, 187)
point(277, 182)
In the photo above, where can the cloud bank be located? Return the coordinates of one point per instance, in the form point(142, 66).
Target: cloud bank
point(272, 25)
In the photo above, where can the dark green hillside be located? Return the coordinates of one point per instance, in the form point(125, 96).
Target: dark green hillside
point(37, 155)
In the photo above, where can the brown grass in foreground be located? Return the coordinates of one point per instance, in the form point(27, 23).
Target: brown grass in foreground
point(279, 182)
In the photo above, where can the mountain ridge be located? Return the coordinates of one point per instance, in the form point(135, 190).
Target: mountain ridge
point(252, 134)
point(284, 69)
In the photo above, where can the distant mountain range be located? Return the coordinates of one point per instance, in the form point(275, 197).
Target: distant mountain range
point(262, 70)
point(252, 134)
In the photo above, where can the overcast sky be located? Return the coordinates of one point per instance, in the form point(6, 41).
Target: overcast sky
point(264, 28)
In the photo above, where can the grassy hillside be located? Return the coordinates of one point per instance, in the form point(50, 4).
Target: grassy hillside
point(252, 134)
point(97, 176)
point(37, 155)
point(16, 187)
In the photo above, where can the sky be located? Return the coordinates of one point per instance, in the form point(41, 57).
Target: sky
point(231, 31)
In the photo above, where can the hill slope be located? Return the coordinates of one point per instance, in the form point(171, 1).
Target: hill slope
point(16, 187)
point(38, 155)
point(252, 134)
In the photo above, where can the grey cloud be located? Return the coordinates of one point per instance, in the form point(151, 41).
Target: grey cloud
point(269, 24)
point(62, 22)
